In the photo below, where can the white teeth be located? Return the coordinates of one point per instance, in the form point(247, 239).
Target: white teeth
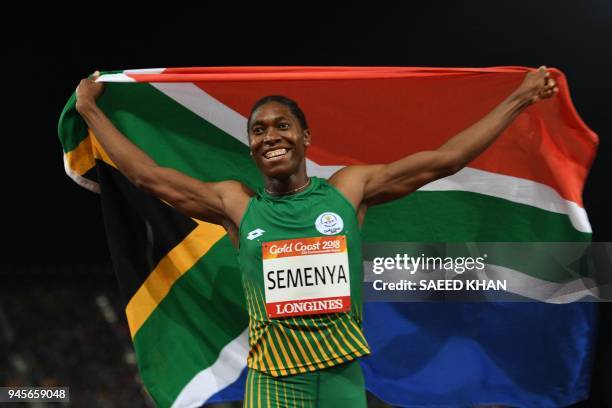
point(274, 153)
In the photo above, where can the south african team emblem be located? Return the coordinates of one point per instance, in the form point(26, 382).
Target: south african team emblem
point(329, 223)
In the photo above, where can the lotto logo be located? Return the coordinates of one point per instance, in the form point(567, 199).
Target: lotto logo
point(256, 233)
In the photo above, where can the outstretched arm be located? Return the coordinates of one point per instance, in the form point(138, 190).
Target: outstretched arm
point(375, 184)
point(213, 202)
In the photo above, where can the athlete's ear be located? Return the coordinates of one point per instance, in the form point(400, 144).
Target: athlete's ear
point(307, 137)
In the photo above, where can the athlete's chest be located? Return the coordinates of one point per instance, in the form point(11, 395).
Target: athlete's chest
point(270, 223)
point(299, 257)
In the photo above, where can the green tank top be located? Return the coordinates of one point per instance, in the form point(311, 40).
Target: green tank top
point(301, 264)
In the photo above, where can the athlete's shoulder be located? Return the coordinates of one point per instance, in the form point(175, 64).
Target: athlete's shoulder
point(351, 181)
point(234, 189)
point(235, 197)
point(354, 175)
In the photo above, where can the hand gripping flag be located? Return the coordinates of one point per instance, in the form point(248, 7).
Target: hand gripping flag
point(179, 277)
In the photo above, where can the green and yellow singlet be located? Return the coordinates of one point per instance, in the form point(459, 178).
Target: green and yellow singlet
point(300, 257)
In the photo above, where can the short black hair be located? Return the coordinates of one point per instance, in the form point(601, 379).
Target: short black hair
point(288, 102)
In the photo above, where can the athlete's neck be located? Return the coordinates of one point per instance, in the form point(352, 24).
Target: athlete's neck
point(291, 185)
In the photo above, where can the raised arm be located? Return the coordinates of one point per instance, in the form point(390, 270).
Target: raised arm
point(375, 184)
point(221, 203)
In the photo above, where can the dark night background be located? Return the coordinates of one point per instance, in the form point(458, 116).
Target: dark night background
point(52, 225)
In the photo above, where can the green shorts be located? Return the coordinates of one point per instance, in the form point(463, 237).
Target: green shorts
point(338, 386)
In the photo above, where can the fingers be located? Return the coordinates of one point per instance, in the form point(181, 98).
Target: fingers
point(83, 83)
point(543, 76)
point(548, 91)
point(550, 87)
point(540, 84)
point(86, 85)
point(93, 77)
point(542, 71)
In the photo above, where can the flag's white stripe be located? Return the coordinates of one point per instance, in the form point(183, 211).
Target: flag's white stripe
point(539, 289)
point(224, 371)
point(80, 180)
point(207, 107)
point(514, 189)
point(115, 78)
point(144, 71)
point(124, 76)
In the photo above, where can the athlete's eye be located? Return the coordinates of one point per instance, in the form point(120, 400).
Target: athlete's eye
point(284, 126)
point(257, 130)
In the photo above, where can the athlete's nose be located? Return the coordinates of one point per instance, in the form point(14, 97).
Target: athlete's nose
point(271, 136)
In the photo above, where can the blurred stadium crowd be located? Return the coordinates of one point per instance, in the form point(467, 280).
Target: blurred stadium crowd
point(56, 330)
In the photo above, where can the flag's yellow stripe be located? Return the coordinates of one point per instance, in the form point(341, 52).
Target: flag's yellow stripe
point(171, 267)
point(82, 158)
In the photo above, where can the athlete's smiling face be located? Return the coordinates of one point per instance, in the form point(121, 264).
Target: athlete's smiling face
point(278, 142)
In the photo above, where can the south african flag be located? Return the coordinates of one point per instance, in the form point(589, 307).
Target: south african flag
point(179, 277)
